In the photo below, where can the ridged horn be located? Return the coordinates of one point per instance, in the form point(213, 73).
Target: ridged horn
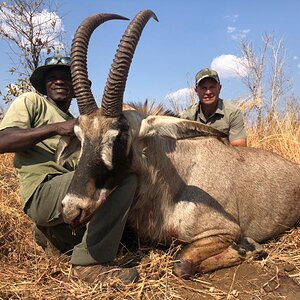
point(115, 85)
point(85, 99)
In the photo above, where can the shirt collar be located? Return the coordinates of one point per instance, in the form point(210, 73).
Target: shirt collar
point(220, 107)
point(219, 110)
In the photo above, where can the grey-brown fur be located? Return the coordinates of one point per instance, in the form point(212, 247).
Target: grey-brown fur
point(215, 199)
point(201, 191)
point(254, 188)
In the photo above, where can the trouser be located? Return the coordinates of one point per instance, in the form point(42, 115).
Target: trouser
point(96, 243)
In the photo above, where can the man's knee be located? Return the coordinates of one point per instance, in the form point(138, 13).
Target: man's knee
point(126, 190)
point(43, 217)
point(44, 206)
point(131, 182)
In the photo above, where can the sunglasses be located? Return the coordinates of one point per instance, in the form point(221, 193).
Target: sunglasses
point(58, 61)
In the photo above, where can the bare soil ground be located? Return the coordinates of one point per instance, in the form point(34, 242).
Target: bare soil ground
point(26, 272)
point(252, 280)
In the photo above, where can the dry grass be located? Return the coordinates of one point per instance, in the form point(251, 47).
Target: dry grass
point(281, 135)
point(287, 250)
point(26, 272)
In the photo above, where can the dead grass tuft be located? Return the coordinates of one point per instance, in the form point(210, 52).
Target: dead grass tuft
point(280, 135)
point(285, 251)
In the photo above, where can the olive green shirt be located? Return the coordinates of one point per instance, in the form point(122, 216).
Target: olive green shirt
point(33, 165)
point(227, 118)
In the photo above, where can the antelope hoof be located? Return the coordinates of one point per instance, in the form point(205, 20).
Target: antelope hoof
point(184, 269)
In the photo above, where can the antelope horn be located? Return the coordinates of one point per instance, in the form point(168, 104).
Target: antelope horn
point(81, 84)
point(115, 85)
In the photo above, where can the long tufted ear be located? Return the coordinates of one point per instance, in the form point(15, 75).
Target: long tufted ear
point(177, 128)
point(66, 146)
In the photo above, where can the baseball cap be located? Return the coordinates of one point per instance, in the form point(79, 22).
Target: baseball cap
point(205, 73)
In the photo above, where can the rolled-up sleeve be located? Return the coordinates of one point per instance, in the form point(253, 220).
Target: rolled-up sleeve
point(19, 114)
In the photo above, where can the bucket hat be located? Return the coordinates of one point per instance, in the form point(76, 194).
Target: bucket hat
point(37, 77)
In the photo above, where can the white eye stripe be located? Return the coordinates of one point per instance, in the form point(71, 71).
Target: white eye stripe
point(78, 132)
point(107, 143)
point(110, 136)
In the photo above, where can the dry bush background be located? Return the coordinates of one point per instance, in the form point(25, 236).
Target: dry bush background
point(26, 272)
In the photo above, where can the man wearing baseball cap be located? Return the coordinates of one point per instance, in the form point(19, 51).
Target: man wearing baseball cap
point(31, 128)
point(214, 111)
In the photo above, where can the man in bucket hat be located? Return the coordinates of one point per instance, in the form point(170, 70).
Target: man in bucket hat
point(214, 111)
point(31, 129)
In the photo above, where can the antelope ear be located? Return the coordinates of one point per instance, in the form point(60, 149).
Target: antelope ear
point(66, 146)
point(176, 128)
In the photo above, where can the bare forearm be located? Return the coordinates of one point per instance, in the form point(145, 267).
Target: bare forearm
point(239, 143)
point(17, 139)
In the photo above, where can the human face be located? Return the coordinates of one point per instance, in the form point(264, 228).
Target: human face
point(208, 91)
point(59, 86)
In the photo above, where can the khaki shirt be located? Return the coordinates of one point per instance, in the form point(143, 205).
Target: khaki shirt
point(31, 110)
point(227, 118)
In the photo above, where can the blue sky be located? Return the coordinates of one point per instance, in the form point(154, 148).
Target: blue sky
point(189, 36)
